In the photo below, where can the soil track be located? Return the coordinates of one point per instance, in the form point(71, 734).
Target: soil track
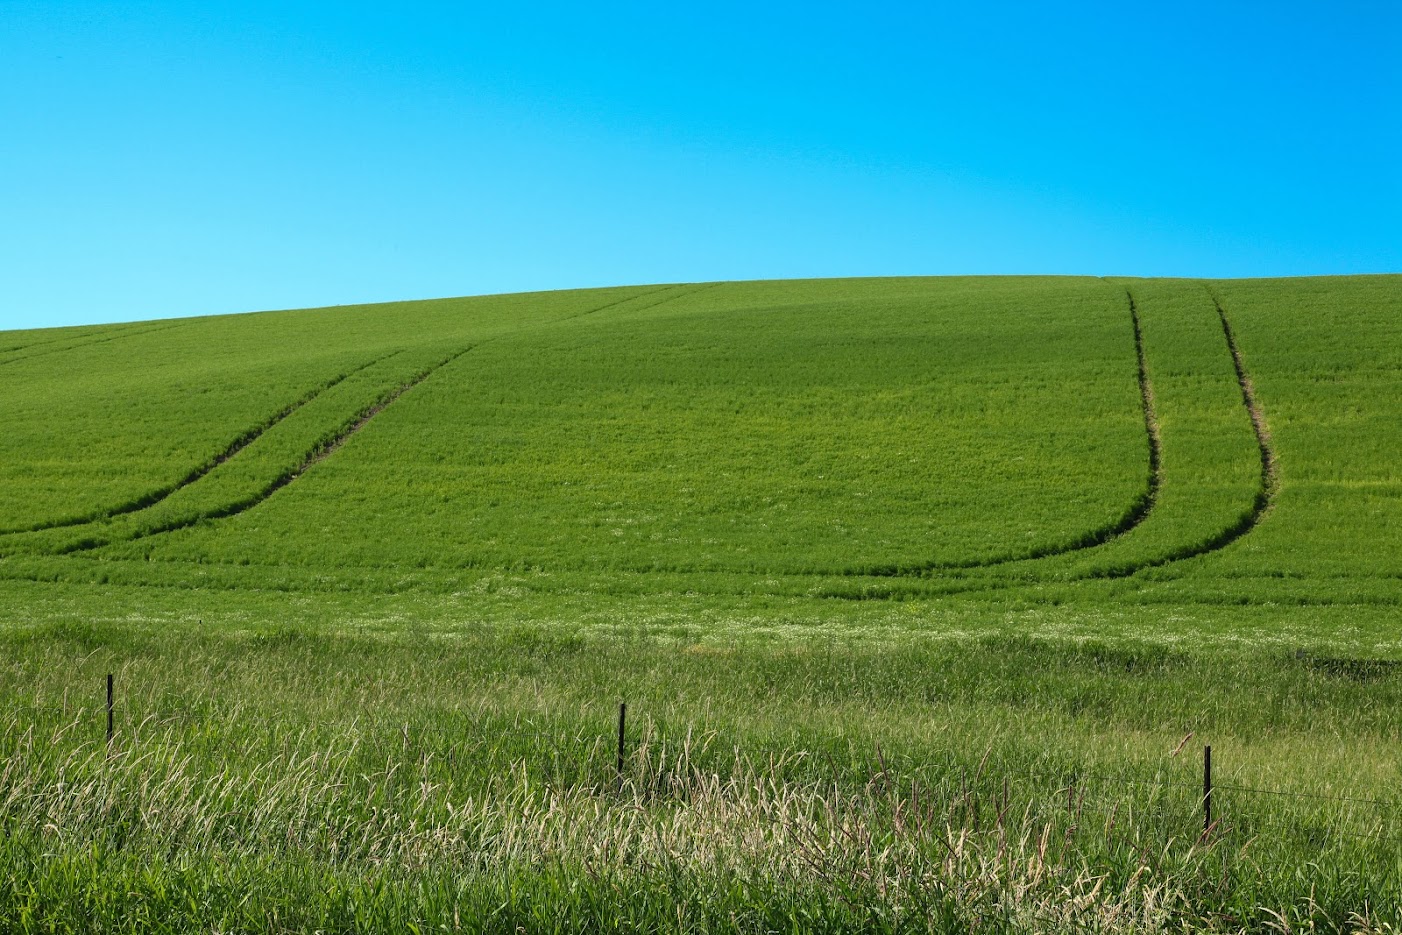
point(1138, 512)
point(1270, 477)
point(156, 496)
point(330, 446)
point(1269, 480)
point(319, 453)
point(81, 344)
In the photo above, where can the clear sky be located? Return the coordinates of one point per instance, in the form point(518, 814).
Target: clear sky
point(188, 158)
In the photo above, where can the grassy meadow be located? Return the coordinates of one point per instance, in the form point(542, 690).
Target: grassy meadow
point(924, 596)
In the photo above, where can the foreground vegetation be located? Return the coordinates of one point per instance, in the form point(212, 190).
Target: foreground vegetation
point(924, 596)
point(294, 780)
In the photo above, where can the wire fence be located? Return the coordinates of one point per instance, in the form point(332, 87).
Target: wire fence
point(112, 723)
point(1087, 806)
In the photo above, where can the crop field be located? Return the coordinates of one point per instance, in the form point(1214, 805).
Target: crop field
point(924, 596)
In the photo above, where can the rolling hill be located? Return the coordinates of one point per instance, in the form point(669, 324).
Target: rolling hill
point(1222, 441)
point(928, 600)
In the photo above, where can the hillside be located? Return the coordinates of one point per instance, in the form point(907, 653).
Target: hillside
point(843, 605)
point(884, 436)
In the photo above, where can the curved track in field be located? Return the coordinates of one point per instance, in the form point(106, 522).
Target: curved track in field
point(330, 446)
point(1138, 512)
point(312, 457)
point(1267, 486)
point(1262, 503)
point(43, 342)
point(151, 498)
point(87, 343)
point(1270, 471)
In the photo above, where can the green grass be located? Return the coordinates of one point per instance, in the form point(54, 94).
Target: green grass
point(412, 776)
point(882, 567)
point(707, 433)
point(106, 420)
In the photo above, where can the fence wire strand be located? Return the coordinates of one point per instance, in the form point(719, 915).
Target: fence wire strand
point(399, 736)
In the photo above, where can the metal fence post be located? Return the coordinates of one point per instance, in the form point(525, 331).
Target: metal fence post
point(1206, 789)
point(109, 709)
point(622, 717)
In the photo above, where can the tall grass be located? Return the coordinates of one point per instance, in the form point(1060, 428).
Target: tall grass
point(292, 783)
point(754, 512)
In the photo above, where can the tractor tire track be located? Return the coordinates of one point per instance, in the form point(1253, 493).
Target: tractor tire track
point(154, 497)
point(333, 444)
point(330, 447)
point(1268, 485)
point(1264, 500)
point(1270, 472)
point(617, 302)
point(83, 344)
point(11, 348)
point(1138, 512)
point(320, 452)
point(686, 288)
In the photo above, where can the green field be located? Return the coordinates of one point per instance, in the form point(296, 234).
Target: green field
point(924, 594)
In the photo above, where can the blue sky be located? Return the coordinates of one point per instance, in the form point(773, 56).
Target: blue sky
point(160, 160)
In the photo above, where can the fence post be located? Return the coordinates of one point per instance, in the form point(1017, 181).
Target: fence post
point(1206, 789)
point(109, 709)
point(622, 716)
